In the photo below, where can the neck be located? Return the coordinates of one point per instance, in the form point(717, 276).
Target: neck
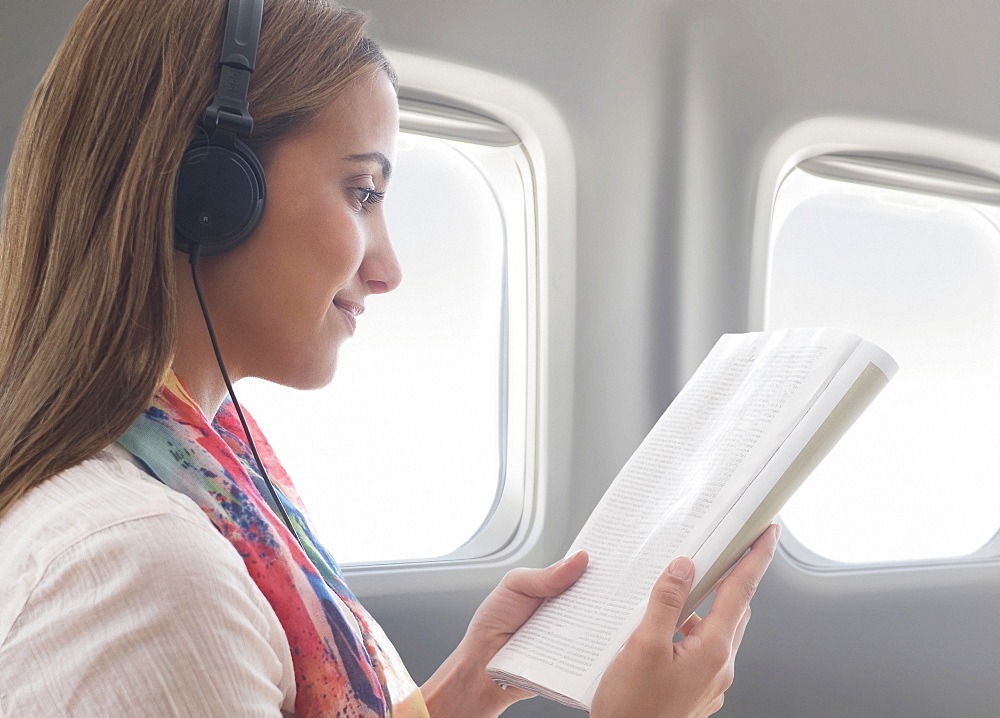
point(194, 359)
point(204, 381)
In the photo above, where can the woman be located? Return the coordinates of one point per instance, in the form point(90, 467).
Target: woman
point(146, 567)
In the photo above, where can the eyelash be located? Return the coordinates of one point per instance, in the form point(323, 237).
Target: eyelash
point(368, 196)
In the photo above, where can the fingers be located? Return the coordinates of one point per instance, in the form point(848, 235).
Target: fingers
point(740, 629)
point(732, 597)
point(668, 595)
point(547, 582)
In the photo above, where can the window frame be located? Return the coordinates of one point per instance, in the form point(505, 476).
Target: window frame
point(859, 136)
point(527, 520)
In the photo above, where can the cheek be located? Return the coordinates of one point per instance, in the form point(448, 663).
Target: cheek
point(311, 270)
point(338, 248)
point(315, 247)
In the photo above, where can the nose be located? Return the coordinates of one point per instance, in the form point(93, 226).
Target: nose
point(380, 271)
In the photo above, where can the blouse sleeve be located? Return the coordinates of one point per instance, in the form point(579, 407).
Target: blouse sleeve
point(154, 616)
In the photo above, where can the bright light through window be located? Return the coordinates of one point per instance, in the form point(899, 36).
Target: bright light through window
point(403, 455)
point(918, 476)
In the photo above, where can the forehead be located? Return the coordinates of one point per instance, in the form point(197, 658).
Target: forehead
point(363, 119)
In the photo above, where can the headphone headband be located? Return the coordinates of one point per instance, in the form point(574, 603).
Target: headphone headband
point(229, 111)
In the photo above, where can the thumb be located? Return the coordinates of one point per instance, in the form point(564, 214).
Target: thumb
point(563, 574)
point(547, 582)
point(669, 594)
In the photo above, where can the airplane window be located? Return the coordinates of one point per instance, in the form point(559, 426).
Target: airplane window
point(406, 454)
point(918, 273)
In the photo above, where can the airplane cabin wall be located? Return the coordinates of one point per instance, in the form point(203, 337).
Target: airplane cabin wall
point(672, 107)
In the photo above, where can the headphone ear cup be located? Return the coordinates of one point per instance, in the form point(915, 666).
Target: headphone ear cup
point(220, 197)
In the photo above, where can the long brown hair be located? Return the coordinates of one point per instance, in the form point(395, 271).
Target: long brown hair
point(87, 301)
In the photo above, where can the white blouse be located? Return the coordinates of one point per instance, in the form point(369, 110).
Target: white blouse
point(118, 597)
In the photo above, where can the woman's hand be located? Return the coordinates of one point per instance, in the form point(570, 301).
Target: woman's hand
point(460, 687)
point(654, 677)
point(651, 677)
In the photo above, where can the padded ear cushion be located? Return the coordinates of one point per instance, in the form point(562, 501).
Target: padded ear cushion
point(221, 192)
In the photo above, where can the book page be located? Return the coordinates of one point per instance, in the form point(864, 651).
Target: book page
point(698, 459)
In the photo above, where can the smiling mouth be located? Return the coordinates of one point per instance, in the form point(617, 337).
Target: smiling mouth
point(350, 310)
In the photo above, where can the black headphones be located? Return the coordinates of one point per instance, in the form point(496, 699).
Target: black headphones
point(221, 189)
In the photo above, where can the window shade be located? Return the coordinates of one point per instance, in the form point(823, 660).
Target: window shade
point(908, 173)
point(425, 115)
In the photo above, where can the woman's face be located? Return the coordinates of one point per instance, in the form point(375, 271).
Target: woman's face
point(292, 293)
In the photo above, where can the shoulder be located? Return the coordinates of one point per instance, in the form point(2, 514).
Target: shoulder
point(100, 492)
point(103, 502)
point(118, 589)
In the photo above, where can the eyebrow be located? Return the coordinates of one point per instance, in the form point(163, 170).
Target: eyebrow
point(377, 157)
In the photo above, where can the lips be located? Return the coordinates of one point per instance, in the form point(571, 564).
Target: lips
point(350, 310)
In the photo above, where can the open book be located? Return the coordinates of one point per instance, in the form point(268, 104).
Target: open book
point(757, 416)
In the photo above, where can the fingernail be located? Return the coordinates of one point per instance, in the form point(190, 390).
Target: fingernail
point(681, 567)
point(777, 531)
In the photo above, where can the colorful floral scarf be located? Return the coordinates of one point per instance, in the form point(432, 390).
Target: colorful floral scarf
point(344, 665)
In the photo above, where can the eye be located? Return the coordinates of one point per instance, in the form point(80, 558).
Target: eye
point(367, 196)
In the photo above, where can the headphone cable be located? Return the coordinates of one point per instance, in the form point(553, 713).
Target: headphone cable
point(193, 257)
